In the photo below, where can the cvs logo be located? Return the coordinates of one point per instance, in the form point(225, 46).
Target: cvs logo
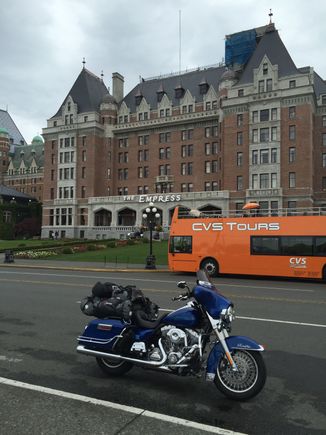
point(298, 262)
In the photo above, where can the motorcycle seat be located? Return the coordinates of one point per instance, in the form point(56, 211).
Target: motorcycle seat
point(148, 324)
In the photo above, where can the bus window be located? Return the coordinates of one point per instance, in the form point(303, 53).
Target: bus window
point(181, 244)
point(265, 245)
point(297, 245)
point(320, 246)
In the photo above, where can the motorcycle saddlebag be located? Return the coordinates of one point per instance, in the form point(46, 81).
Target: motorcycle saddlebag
point(102, 334)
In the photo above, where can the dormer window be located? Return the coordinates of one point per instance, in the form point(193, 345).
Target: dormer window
point(292, 84)
point(160, 93)
point(159, 96)
point(265, 69)
point(179, 91)
point(323, 99)
point(261, 86)
point(203, 88)
point(138, 98)
point(68, 106)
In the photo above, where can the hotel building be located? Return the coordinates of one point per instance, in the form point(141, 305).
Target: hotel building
point(213, 138)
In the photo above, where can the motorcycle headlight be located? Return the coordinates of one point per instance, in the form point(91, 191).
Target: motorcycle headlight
point(228, 314)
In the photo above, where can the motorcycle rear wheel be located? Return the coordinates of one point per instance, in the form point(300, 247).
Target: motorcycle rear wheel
point(114, 367)
point(247, 381)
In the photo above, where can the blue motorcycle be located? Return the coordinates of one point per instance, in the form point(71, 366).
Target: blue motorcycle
point(193, 340)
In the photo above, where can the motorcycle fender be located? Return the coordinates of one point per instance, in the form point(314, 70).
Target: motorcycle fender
point(234, 342)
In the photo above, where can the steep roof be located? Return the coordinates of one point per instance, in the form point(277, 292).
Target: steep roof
point(272, 46)
point(149, 88)
point(87, 91)
point(319, 85)
point(27, 153)
point(7, 122)
point(8, 191)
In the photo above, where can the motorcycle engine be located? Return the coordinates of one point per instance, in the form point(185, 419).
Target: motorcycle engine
point(177, 342)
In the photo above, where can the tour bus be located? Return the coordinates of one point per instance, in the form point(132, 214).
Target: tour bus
point(288, 243)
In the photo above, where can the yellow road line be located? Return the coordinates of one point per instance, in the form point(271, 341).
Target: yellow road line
point(152, 290)
point(44, 283)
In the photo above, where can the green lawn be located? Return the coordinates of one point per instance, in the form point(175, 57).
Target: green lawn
point(128, 254)
point(134, 254)
point(26, 244)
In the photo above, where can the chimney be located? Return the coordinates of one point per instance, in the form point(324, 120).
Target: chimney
point(117, 86)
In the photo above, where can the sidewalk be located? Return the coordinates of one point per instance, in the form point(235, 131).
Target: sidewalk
point(78, 265)
point(29, 409)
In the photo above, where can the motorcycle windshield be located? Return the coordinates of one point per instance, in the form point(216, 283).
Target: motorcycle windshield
point(211, 300)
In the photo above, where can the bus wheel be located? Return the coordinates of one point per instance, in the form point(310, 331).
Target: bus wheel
point(324, 273)
point(210, 265)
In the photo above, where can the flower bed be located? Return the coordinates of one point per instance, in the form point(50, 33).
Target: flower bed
point(38, 254)
point(34, 255)
point(81, 248)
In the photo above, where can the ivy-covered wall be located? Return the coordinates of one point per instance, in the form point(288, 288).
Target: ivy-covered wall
point(21, 221)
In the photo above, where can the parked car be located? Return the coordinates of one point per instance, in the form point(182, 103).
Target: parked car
point(135, 235)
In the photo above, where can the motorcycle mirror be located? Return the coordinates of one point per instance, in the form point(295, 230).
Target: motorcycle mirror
point(182, 284)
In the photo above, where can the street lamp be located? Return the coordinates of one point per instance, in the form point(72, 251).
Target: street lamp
point(150, 216)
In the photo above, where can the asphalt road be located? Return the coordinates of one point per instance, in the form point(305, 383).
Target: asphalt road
point(40, 320)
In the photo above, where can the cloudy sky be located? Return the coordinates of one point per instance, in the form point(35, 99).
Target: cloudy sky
point(42, 43)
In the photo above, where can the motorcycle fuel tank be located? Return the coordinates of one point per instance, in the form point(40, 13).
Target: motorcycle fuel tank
point(186, 317)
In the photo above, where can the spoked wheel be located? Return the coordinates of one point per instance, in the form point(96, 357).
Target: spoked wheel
point(114, 367)
point(247, 381)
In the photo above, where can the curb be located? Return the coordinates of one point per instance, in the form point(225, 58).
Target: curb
point(90, 269)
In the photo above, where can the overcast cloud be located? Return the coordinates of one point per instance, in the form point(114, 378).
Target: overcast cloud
point(42, 43)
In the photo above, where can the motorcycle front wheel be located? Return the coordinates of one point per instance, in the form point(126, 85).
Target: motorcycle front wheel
point(114, 367)
point(247, 381)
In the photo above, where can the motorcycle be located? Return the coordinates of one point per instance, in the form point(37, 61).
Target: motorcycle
point(178, 343)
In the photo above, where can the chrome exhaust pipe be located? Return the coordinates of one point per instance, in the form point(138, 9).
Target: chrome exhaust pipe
point(99, 354)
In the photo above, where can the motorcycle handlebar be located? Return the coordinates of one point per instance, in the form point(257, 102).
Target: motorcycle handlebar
point(181, 297)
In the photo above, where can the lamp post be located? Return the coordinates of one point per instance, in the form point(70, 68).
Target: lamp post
point(150, 216)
